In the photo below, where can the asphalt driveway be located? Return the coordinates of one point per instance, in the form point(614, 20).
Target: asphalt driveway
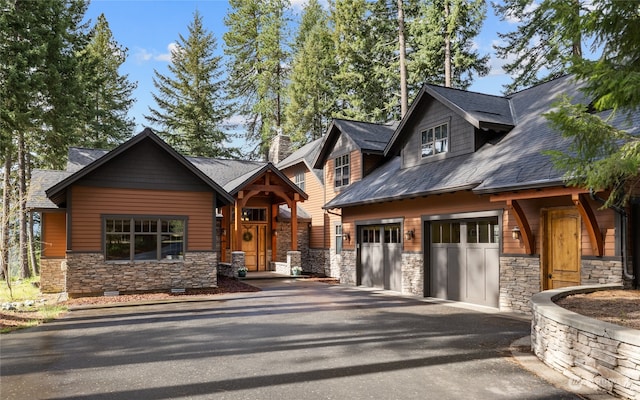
point(293, 340)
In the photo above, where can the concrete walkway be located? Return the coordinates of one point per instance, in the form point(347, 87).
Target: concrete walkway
point(293, 340)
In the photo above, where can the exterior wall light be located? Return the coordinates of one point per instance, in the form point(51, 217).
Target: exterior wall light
point(515, 233)
point(409, 235)
point(346, 236)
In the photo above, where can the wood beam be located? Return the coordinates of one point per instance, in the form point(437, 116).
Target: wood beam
point(523, 224)
point(237, 244)
point(590, 222)
point(294, 226)
point(537, 194)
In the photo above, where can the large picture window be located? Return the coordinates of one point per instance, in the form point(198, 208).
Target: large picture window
point(144, 238)
point(435, 140)
point(342, 171)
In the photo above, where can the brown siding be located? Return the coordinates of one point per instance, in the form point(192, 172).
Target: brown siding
point(412, 210)
point(533, 211)
point(90, 203)
point(54, 235)
point(313, 205)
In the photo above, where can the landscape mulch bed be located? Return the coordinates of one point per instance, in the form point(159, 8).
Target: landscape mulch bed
point(620, 307)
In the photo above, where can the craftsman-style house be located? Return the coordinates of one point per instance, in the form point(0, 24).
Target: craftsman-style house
point(143, 217)
point(461, 202)
point(456, 201)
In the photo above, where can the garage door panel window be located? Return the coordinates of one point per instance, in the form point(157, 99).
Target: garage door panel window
point(392, 234)
point(371, 235)
point(445, 232)
point(483, 231)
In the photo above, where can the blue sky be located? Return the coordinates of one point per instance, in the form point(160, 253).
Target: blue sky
point(149, 27)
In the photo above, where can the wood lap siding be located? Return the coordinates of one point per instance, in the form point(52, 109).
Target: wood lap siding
point(54, 235)
point(90, 203)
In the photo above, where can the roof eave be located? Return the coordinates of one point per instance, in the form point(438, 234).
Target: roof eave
point(540, 184)
point(452, 189)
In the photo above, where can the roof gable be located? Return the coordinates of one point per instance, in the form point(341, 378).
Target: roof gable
point(483, 111)
point(144, 143)
point(305, 155)
point(242, 182)
point(367, 137)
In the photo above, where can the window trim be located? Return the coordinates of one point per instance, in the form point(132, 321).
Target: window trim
point(342, 167)
point(132, 233)
point(434, 140)
point(299, 180)
point(338, 237)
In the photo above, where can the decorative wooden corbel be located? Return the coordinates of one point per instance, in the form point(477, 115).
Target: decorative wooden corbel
point(525, 229)
point(590, 222)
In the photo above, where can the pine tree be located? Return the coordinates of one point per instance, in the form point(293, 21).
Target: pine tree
point(39, 93)
point(255, 45)
point(107, 94)
point(602, 156)
point(190, 111)
point(310, 92)
point(547, 40)
point(443, 39)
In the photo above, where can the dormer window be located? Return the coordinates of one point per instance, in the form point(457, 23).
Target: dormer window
point(342, 171)
point(435, 140)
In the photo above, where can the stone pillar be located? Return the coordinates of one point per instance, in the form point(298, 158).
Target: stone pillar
point(237, 261)
point(294, 259)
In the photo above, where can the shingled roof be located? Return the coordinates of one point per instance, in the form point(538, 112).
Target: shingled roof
point(368, 137)
point(517, 161)
point(306, 155)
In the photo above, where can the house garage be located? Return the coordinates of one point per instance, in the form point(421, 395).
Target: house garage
point(463, 258)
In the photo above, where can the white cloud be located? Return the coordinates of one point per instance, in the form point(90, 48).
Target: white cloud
point(143, 55)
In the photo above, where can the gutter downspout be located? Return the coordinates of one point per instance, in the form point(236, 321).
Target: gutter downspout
point(624, 220)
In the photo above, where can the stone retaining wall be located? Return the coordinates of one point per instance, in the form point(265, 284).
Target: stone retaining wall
point(593, 353)
point(88, 273)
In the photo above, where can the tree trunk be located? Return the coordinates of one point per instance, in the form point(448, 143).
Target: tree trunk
point(447, 45)
point(22, 212)
point(6, 205)
point(404, 102)
point(577, 40)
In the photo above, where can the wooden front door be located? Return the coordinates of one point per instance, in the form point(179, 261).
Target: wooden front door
point(562, 229)
point(254, 245)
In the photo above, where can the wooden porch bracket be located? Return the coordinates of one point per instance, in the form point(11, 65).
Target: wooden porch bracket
point(523, 224)
point(590, 222)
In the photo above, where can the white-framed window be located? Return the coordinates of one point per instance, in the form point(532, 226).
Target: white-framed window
point(342, 171)
point(143, 238)
point(299, 180)
point(338, 239)
point(435, 140)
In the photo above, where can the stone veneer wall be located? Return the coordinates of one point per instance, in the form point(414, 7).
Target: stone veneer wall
point(519, 280)
point(284, 243)
point(318, 262)
point(88, 273)
point(593, 353)
point(601, 271)
point(348, 274)
point(335, 263)
point(53, 275)
point(413, 273)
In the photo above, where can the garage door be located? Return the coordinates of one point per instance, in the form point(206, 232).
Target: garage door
point(380, 256)
point(464, 261)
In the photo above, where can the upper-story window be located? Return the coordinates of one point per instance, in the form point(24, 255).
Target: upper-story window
point(342, 171)
point(299, 180)
point(435, 140)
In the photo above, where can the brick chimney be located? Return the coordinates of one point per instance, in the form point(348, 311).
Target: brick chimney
point(280, 148)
